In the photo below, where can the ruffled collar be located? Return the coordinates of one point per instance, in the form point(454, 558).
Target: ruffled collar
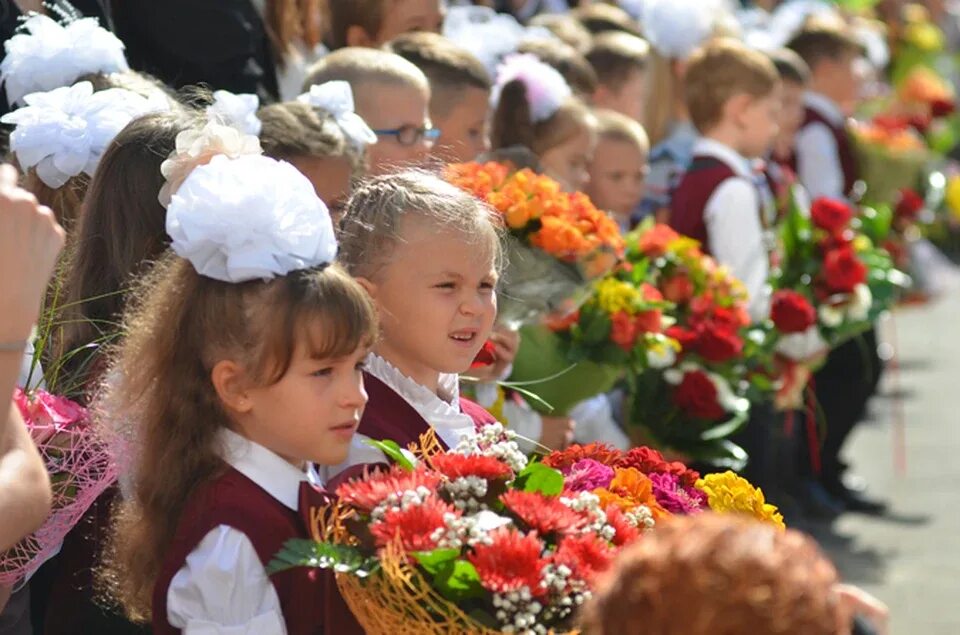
point(443, 414)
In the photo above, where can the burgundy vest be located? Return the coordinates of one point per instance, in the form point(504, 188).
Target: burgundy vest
point(845, 150)
point(689, 201)
point(234, 500)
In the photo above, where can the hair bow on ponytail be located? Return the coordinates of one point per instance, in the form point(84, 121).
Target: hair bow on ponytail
point(237, 110)
point(337, 99)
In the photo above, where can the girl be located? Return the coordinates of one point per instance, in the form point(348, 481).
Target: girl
point(241, 363)
point(535, 108)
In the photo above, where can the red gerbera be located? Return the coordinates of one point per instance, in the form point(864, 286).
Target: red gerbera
point(413, 525)
point(626, 532)
point(371, 489)
point(587, 555)
point(545, 515)
point(454, 465)
point(510, 562)
point(599, 452)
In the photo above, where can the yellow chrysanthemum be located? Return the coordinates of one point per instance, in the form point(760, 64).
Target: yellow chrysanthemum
point(614, 295)
point(729, 493)
point(953, 197)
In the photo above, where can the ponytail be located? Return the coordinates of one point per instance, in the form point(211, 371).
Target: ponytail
point(511, 120)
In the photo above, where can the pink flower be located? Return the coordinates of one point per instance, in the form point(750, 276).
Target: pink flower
point(46, 414)
point(587, 475)
point(674, 498)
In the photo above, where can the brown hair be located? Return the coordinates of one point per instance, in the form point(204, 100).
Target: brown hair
point(121, 230)
point(721, 70)
point(819, 42)
point(619, 127)
point(289, 22)
point(358, 65)
point(565, 28)
point(179, 326)
point(790, 66)
point(665, 92)
point(615, 55)
point(371, 225)
point(571, 64)
point(712, 574)
point(511, 124)
point(601, 18)
point(292, 129)
point(343, 14)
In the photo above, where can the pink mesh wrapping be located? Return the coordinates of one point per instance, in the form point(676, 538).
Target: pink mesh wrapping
point(80, 470)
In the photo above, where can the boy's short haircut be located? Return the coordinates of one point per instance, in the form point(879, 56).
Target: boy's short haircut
point(790, 66)
point(567, 61)
point(826, 41)
point(721, 70)
point(565, 28)
point(615, 55)
point(600, 18)
point(343, 14)
point(292, 129)
point(619, 127)
point(358, 65)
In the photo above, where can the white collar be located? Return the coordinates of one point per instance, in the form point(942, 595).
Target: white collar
point(733, 159)
point(272, 473)
point(825, 107)
point(443, 415)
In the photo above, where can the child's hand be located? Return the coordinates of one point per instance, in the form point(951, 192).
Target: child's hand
point(855, 601)
point(557, 432)
point(30, 240)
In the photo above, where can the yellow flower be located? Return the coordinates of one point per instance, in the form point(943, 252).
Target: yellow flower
point(953, 197)
point(728, 493)
point(925, 36)
point(862, 243)
point(614, 295)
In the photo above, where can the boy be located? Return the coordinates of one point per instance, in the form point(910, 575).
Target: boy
point(619, 166)
point(392, 96)
point(602, 18)
point(459, 93)
point(779, 168)
point(574, 67)
point(620, 61)
point(371, 23)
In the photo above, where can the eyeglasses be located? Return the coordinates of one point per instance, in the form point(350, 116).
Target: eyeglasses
point(409, 135)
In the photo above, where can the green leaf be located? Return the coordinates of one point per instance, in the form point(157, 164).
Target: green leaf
point(393, 451)
point(726, 428)
point(323, 555)
point(458, 580)
point(537, 477)
point(724, 454)
point(433, 561)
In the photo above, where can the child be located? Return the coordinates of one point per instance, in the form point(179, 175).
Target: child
point(565, 28)
point(619, 166)
point(392, 96)
point(535, 108)
point(459, 93)
point(620, 60)
point(241, 363)
point(372, 23)
point(567, 61)
point(794, 76)
point(600, 18)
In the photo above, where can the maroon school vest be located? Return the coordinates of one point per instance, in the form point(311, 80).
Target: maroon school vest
point(689, 201)
point(234, 500)
point(845, 150)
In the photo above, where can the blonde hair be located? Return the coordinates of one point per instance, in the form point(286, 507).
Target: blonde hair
point(665, 89)
point(565, 28)
point(374, 217)
point(511, 123)
point(359, 65)
point(721, 70)
point(343, 14)
point(618, 127)
point(567, 61)
point(293, 129)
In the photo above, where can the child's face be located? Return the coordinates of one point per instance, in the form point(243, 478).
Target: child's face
point(617, 173)
point(312, 412)
point(567, 162)
point(463, 126)
point(394, 107)
point(759, 124)
point(628, 98)
point(791, 113)
point(436, 301)
point(404, 16)
point(842, 81)
point(330, 176)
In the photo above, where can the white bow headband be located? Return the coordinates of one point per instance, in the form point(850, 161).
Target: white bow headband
point(237, 110)
point(545, 86)
point(337, 99)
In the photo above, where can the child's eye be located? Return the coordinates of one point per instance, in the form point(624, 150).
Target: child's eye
point(323, 372)
point(447, 285)
point(487, 286)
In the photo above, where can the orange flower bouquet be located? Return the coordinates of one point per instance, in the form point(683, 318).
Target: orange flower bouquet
point(558, 241)
point(891, 156)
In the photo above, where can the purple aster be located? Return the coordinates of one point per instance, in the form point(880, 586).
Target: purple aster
point(587, 475)
point(674, 498)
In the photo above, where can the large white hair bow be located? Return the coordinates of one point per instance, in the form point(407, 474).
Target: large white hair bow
point(490, 36)
point(237, 110)
point(337, 99)
point(249, 218)
point(675, 28)
point(545, 86)
point(64, 132)
point(46, 54)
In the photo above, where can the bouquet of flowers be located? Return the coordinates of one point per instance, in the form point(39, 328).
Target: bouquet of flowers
point(891, 155)
point(480, 540)
point(558, 241)
point(80, 470)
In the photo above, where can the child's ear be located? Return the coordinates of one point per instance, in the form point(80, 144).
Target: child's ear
point(737, 109)
point(229, 380)
point(357, 36)
point(368, 285)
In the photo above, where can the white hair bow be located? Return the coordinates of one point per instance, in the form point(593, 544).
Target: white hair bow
point(249, 218)
point(237, 110)
point(337, 99)
point(545, 87)
point(45, 54)
point(64, 132)
point(676, 28)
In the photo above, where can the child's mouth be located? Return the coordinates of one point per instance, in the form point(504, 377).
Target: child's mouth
point(464, 337)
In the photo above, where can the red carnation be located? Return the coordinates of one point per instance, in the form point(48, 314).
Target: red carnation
point(718, 343)
point(370, 490)
point(685, 337)
point(454, 465)
point(909, 205)
point(697, 396)
point(599, 452)
point(509, 562)
point(414, 525)
point(543, 514)
point(487, 356)
point(791, 312)
point(625, 532)
point(586, 555)
point(678, 288)
point(831, 214)
point(843, 270)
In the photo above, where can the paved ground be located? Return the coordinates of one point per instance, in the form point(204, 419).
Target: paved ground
point(911, 558)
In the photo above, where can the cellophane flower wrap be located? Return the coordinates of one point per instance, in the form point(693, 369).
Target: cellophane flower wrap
point(479, 539)
point(698, 393)
point(558, 242)
point(80, 470)
point(891, 155)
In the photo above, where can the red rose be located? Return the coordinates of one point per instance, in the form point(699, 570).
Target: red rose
point(909, 205)
point(942, 108)
point(678, 288)
point(648, 321)
point(718, 343)
point(843, 270)
point(697, 396)
point(685, 337)
point(831, 214)
point(791, 312)
point(623, 330)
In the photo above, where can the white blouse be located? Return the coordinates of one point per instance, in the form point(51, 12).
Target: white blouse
point(223, 588)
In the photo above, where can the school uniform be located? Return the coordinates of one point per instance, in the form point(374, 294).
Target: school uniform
point(826, 163)
point(668, 161)
point(213, 579)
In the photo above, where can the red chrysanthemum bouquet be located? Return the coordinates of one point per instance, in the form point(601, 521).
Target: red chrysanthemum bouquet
point(559, 241)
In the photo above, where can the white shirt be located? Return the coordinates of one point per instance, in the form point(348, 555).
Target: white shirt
point(732, 217)
point(818, 158)
point(223, 588)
